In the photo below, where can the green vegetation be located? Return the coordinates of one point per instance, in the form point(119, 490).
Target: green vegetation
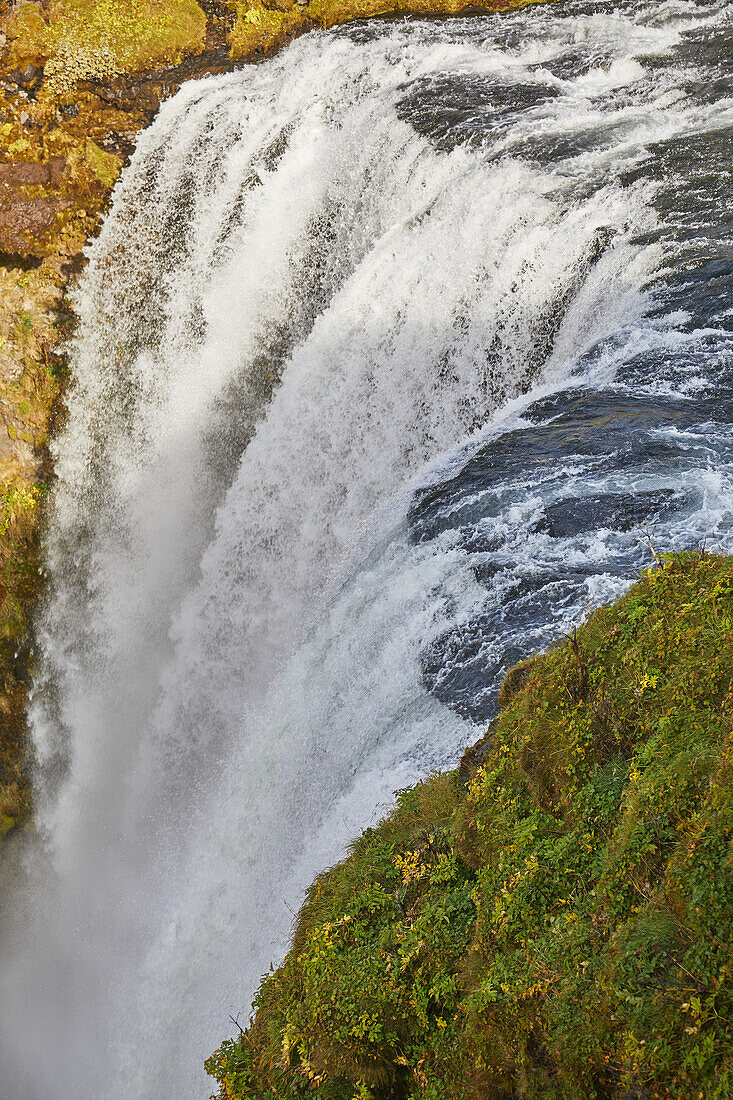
point(562, 927)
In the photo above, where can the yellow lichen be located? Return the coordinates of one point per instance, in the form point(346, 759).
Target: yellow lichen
point(99, 39)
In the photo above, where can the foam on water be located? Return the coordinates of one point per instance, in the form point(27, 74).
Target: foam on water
point(376, 347)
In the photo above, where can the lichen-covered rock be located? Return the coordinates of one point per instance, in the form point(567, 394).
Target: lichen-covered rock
point(91, 39)
point(264, 25)
point(25, 223)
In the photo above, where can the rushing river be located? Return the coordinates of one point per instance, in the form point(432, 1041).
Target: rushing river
point(395, 352)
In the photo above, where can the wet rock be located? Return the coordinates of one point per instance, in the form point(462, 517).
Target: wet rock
point(147, 97)
point(127, 95)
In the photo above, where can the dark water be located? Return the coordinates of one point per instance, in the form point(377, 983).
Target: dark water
point(561, 510)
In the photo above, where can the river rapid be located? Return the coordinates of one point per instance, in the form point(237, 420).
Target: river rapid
point(395, 353)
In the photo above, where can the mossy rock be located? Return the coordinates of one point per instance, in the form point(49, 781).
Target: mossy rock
point(99, 39)
point(562, 927)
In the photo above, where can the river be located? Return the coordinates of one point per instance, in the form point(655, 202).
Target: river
point(396, 354)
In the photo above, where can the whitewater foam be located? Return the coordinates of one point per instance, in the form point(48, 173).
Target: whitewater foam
point(304, 309)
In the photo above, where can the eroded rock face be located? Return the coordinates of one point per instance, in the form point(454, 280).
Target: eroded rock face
point(27, 210)
point(25, 222)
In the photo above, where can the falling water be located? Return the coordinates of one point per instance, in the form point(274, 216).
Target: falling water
point(390, 349)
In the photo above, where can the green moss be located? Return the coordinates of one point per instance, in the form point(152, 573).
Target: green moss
point(258, 28)
point(562, 927)
point(26, 31)
point(104, 166)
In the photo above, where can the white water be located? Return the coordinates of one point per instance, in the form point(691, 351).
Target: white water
point(298, 310)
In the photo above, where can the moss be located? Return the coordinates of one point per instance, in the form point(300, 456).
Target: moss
point(561, 927)
point(259, 29)
point(26, 30)
point(105, 167)
point(98, 39)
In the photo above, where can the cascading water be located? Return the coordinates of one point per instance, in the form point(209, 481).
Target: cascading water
point(390, 347)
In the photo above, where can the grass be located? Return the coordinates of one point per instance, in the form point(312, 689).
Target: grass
point(562, 927)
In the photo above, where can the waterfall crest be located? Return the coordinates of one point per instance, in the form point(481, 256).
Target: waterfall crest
point(324, 281)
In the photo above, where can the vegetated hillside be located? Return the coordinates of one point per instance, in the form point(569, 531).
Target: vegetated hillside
point(562, 926)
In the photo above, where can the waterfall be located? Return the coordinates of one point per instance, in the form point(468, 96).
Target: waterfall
point(328, 284)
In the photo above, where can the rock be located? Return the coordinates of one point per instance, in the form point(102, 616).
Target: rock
point(21, 172)
point(24, 221)
point(127, 95)
point(30, 77)
point(56, 168)
point(31, 174)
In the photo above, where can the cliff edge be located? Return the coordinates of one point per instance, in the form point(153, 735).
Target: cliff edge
point(556, 925)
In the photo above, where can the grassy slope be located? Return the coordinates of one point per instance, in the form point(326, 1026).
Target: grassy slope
point(562, 927)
